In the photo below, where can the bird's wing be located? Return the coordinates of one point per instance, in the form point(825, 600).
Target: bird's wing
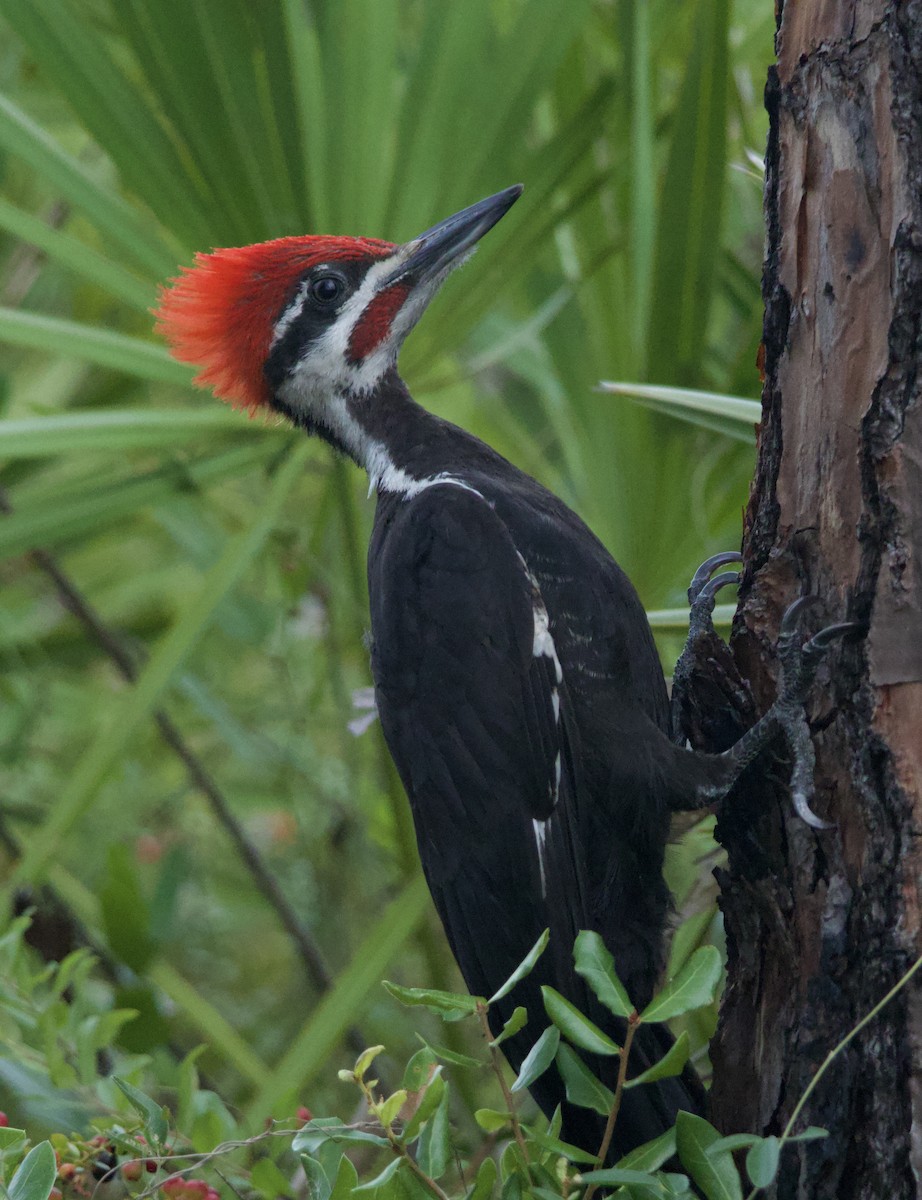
point(475, 712)
point(477, 718)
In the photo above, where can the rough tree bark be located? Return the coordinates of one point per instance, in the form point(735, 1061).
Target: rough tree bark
point(820, 926)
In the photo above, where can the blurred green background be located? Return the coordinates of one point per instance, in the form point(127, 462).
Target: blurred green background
point(226, 557)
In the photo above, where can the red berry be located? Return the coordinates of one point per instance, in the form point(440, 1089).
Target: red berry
point(150, 1166)
point(67, 1171)
point(4, 1120)
point(55, 1194)
point(131, 1170)
point(304, 1114)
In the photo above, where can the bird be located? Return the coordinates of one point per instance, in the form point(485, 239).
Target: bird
point(516, 678)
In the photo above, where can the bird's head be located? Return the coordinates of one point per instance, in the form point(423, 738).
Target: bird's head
point(290, 323)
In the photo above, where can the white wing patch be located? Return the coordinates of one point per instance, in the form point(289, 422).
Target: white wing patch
point(540, 828)
point(543, 647)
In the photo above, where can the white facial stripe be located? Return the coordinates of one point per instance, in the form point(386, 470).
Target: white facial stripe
point(291, 313)
point(383, 474)
point(326, 365)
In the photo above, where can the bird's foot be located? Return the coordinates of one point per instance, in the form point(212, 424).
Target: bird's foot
point(799, 661)
point(702, 596)
point(703, 589)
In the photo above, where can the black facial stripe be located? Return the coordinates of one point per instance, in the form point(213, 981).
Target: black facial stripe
point(312, 321)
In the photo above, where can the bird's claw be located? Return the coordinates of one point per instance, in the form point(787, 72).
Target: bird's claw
point(799, 660)
point(702, 577)
point(703, 589)
point(820, 642)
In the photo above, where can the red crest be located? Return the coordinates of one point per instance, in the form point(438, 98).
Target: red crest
point(219, 313)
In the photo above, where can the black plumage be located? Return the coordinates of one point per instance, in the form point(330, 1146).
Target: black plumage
point(531, 811)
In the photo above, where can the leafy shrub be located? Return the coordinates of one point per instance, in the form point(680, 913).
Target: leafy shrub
point(58, 1028)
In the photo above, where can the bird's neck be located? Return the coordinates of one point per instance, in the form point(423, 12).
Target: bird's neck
point(401, 445)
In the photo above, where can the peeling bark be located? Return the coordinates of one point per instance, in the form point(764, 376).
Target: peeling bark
point(821, 926)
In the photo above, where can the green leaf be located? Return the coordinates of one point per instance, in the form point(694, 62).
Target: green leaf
point(10, 1137)
point(390, 1109)
point(678, 1186)
point(154, 1115)
point(693, 987)
point(597, 967)
point(434, 1150)
point(429, 1102)
point(35, 1176)
point(577, 1028)
point(269, 1180)
point(104, 347)
point(672, 1063)
point(677, 618)
point(691, 204)
point(582, 1086)
point(517, 1021)
point(762, 1161)
point(538, 1059)
point(651, 1154)
point(318, 1183)
point(451, 1056)
point(717, 1177)
point(731, 415)
point(381, 1179)
point(490, 1120)
point(311, 1137)
point(639, 1182)
point(512, 1188)
point(562, 1149)
point(345, 1182)
point(691, 934)
point(485, 1181)
point(734, 1141)
point(434, 1000)
point(419, 1069)
point(525, 967)
point(813, 1133)
point(125, 911)
point(119, 429)
point(365, 1059)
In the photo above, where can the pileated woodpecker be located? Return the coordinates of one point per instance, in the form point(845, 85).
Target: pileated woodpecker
point(515, 674)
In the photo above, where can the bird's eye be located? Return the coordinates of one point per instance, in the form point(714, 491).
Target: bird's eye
point(327, 288)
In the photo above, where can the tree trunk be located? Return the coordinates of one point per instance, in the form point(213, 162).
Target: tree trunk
point(821, 925)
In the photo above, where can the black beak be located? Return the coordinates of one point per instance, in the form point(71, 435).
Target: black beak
point(441, 245)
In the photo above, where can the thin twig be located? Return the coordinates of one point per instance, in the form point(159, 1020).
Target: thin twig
point(497, 1064)
point(397, 1145)
point(80, 607)
point(633, 1024)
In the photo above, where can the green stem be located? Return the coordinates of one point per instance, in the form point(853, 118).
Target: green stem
point(398, 1147)
point(497, 1065)
point(633, 1025)
point(836, 1051)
